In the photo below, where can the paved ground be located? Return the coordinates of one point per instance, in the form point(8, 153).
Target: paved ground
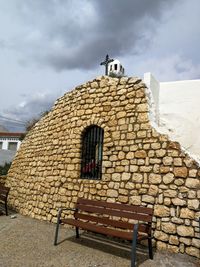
point(26, 242)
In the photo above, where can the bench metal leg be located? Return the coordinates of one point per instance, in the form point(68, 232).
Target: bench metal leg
point(57, 227)
point(77, 232)
point(134, 243)
point(150, 248)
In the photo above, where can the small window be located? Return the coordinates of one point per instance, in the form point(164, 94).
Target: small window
point(92, 151)
point(110, 67)
point(1, 145)
point(115, 66)
point(12, 146)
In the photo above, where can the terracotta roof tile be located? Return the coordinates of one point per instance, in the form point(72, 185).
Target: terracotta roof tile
point(8, 134)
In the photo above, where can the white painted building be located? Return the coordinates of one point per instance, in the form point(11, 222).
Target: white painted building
point(10, 141)
point(115, 67)
point(177, 110)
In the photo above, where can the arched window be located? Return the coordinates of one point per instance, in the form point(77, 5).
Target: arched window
point(92, 151)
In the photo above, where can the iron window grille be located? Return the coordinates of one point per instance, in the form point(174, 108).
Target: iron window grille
point(92, 152)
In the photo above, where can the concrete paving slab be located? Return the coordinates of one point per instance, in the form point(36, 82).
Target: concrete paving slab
point(27, 242)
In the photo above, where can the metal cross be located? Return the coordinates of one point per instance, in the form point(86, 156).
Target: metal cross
point(106, 62)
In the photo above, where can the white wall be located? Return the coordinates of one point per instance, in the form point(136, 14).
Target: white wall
point(6, 140)
point(154, 86)
point(180, 112)
point(177, 106)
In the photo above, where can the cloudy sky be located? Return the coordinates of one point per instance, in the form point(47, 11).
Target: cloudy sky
point(47, 47)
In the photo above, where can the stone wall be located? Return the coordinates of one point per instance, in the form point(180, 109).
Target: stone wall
point(140, 166)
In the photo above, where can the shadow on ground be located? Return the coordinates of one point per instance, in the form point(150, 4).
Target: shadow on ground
point(27, 242)
point(111, 246)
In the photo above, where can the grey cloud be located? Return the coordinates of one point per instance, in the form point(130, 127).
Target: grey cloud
point(2, 44)
point(77, 35)
point(170, 68)
point(32, 108)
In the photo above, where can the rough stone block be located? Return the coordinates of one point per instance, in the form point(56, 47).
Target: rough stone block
point(192, 183)
point(193, 204)
point(137, 177)
point(153, 190)
point(187, 213)
point(193, 173)
point(161, 211)
point(121, 114)
point(123, 199)
point(185, 231)
point(116, 177)
point(169, 228)
point(168, 178)
point(140, 154)
point(160, 153)
point(167, 160)
point(178, 202)
point(112, 193)
point(135, 200)
point(186, 241)
point(148, 199)
point(173, 240)
point(161, 245)
point(193, 251)
point(164, 169)
point(180, 172)
point(170, 193)
point(155, 178)
point(196, 242)
point(161, 235)
point(130, 155)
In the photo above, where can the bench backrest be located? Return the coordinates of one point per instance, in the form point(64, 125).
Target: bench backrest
point(113, 214)
point(4, 192)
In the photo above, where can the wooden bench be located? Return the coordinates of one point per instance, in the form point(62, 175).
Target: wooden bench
point(111, 219)
point(4, 196)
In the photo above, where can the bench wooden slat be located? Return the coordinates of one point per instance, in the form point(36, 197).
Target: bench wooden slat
point(104, 221)
point(99, 229)
point(103, 230)
point(118, 206)
point(114, 223)
point(117, 213)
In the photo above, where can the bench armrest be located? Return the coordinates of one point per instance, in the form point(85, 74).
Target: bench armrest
point(60, 210)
